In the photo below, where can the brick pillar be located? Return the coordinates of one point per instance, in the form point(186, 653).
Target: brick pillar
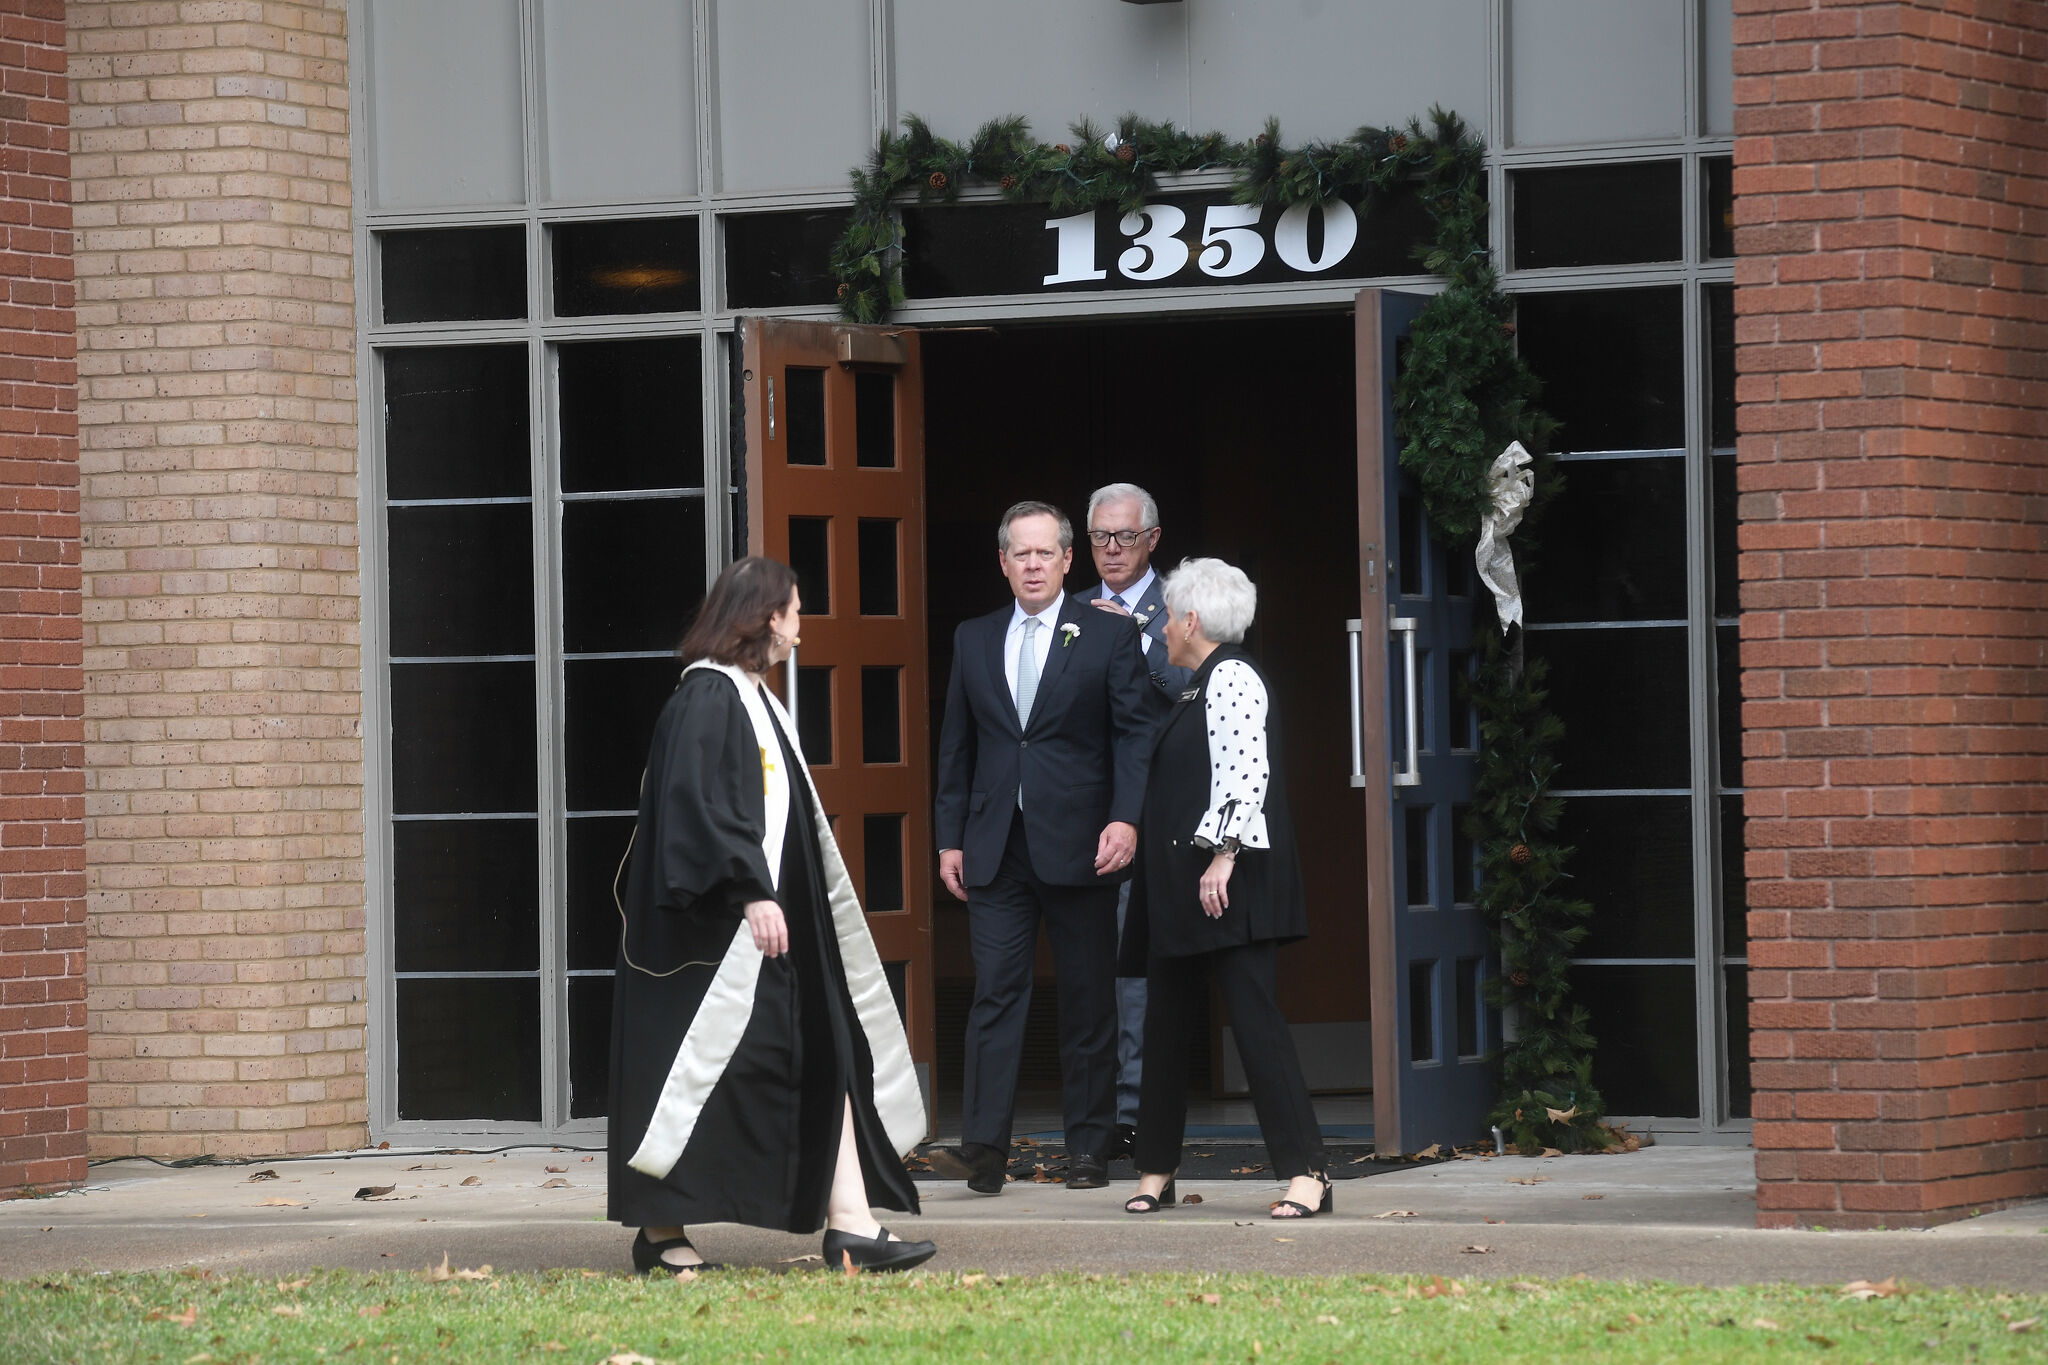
point(210, 168)
point(42, 782)
point(1891, 180)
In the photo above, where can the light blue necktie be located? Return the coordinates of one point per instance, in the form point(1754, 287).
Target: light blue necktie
point(1027, 671)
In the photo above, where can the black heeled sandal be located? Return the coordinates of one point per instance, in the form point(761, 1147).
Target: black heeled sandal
point(1328, 1204)
point(1152, 1202)
point(647, 1255)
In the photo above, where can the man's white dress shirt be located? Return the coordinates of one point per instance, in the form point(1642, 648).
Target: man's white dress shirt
point(1041, 644)
point(1133, 598)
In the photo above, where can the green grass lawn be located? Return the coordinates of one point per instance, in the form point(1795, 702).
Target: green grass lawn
point(810, 1314)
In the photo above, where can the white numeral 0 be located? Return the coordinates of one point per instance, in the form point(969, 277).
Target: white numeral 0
point(1340, 233)
point(1155, 253)
point(1229, 246)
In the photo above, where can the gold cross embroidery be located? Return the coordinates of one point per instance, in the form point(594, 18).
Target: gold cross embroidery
point(767, 767)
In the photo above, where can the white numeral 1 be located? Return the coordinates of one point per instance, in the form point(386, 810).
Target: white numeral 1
point(1077, 249)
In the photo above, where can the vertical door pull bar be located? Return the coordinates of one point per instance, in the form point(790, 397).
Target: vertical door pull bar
point(1354, 631)
point(1411, 771)
point(771, 407)
point(789, 689)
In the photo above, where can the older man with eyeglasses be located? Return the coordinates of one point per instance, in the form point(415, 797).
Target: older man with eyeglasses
point(1123, 531)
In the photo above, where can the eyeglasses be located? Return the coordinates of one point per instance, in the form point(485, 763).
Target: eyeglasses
point(1124, 538)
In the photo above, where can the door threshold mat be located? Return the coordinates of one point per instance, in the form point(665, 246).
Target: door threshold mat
point(1045, 1163)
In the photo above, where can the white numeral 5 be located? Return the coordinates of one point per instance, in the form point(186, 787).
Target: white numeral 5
point(1229, 246)
point(1155, 253)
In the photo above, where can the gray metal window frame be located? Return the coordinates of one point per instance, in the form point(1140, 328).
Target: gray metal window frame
point(713, 324)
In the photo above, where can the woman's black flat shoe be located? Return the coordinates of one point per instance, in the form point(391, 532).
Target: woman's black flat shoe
point(843, 1249)
point(1329, 1204)
point(1150, 1203)
point(647, 1255)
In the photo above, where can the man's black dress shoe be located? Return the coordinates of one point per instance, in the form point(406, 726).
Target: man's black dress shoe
point(1087, 1172)
point(873, 1253)
point(1123, 1144)
point(981, 1166)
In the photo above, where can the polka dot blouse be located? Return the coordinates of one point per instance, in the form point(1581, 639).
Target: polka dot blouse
point(1239, 772)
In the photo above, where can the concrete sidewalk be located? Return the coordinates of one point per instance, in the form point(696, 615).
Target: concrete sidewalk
point(1669, 1213)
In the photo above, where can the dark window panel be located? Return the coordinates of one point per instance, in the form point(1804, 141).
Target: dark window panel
point(632, 572)
point(1634, 864)
point(1598, 215)
point(1720, 307)
point(1422, 1011)
point(469, 1049)
point(874, 420)
point(1721, 491)
point(879, 595)
point(1736, 983)
point(1647, 1063)
point(1728, 701)
point(462, 738)
point(1469, 1006)
point(632, 414)
point(610, 711)
point(640, 265)
point(1612, 362)
point(882, 848)
point(590, 1046)
point(1459, 574)
point(597, 844)
point(1621, 695)
point(466, 895)
point(1611, 545)
point(899, 987)
point(814, 715)
point(803, 415)
point(881, 715)
point(782, 260)
point(1734, 881)
point(810, 556)
point(1464, 721)
point(454, 274)
point(461, 579)
point(1719, 205)
point(1413, 549)
point(1416, 829)
point(1464, 858)
point(455, 422)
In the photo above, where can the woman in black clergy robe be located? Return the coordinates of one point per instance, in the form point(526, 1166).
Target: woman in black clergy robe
point(1218, 890)
point(760, 1073)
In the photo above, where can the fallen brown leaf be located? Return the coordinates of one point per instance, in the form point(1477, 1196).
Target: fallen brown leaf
point(630, 1358)
point(474, 1180)
point(556, 1184)
point(2023, 1325)
point(553, 1346)
point(1438, 1287)
point(1283, 1239)
point(1872, 1289)
point(1191, 1199)
point(375, 1191)
point(1525, 1287)
point(370, 1310)
point(184, 1319)
point(427, 1166)
point(280, 1202)
point(1562, 1115)
point(1550, 1151)
point(1327, 1320)
point(1592, 1196)
point(1766, 1324)
point(289, 1310)
point(589, 1159)
point(1825, 1343)
point(969, 1281)
point(1476, 1250)
point(265, 1174)
point(1435, 1149)
point(1212, 1300)
point(1247, 1170)
point(556, 1169)
point(846, 1264)
point(798, 1260)
point(292, 1286)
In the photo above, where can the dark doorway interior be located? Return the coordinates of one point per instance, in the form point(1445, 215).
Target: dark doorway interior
point(1243, 430)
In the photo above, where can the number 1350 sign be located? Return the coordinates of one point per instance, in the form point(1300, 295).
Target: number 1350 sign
point(1230, 242)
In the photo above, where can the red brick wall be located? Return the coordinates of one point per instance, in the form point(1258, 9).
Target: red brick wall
point(1892, 351)
point(42, 782)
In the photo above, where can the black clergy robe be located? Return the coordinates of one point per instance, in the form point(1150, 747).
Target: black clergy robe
point(765, 1139)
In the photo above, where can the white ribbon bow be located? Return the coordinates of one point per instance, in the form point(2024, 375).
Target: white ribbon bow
point(1512, 486)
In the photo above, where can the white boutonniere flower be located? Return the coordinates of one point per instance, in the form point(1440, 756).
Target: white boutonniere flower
point(1067, 634)
point(1144, 618)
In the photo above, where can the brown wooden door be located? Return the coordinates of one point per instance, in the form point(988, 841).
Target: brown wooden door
point(833, 423)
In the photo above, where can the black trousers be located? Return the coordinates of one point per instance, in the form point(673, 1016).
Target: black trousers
point(1002, 925)
point(1247, 977)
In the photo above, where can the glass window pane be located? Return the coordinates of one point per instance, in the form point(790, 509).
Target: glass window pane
point(597, 845)
point(462, 738)
point(881, 715)
point(1464, 721)
point(1416, 827)
point(455, 422)
point(803, 415)
point(1612, 543)
point(1736, 982)
point(1464, 858)
point(1422, 1011)
point(814, 715)
point(874, 420)
point(461, 579)
point(632, 572)
point(454, 274)
point(1597, 215)
point(469, 1049)
point(466, 895)
point(1719, 204)
point(444, 79)
point(1721, 493)
point(882, 847)
point(642, 265)
point(782, 260)
point(1728, 701)
point(611, 709)
point(898, 974)
point(619, 99)
point(1612, 364)
point(1734, 881)
point(1647, 1061)
point(1469, 1006)
point(590, 1046)
point(1412, 549)
point(1720, 307)
point(1621, 695)
point(1633, 862)
point(632, 414)
point(810, 557)
point(878, 570)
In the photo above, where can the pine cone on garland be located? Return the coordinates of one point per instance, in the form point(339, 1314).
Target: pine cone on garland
point(1518, 979)
point(1399, 142)
point(1520, 855)
point(1126, 153)
point(843, 287)
point(1008, 182)
point(1063, 149)
point(938, 180)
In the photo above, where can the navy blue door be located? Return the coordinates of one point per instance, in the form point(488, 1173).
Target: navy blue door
point(1432, 1029)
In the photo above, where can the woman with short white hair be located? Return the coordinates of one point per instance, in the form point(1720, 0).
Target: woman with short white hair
point(1218, 890)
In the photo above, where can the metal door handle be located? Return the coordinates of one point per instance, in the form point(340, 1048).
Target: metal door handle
point(771, 407)
point(1354, 631)
point(1411, 771)
point(789, 686)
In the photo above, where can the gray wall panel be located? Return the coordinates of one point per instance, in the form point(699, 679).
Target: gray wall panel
point(962, 62)
point(1717, 66)
point(445, 102)
point(1326, 68)
point(1595, 70)
point(795, 92)
point(619, 98)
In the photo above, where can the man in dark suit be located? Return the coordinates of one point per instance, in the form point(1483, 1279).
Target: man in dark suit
point(1041, 775)
point(1123, 531)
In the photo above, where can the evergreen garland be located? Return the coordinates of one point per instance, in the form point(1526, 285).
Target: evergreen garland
point(1462, 395)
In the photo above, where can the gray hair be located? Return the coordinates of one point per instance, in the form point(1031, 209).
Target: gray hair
point(1219, 593)
point(1034, 509)
point(1148, 510)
